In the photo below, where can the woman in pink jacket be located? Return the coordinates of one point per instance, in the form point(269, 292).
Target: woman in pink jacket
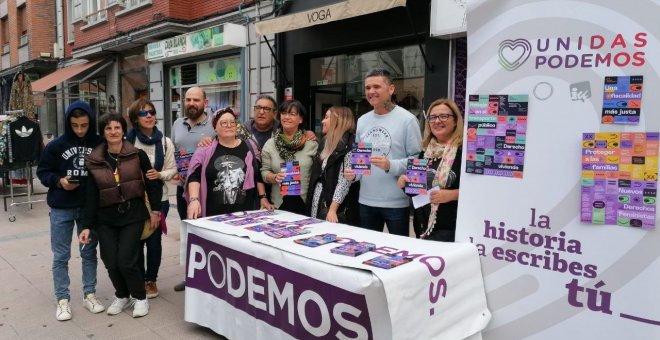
point(224, 177)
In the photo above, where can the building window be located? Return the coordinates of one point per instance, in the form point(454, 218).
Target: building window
point(220, 78)
point(96, 11)
point(77, 6)
point(4, 35)
point(22, 26)
point(130, 4)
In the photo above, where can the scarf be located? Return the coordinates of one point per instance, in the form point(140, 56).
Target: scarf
point(448, 153)
point(155, 139)
point(287, 148)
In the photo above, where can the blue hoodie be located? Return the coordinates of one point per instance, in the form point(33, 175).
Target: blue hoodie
point(65, 156)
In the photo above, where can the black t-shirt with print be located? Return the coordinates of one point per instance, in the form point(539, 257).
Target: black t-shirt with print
point(225, 175)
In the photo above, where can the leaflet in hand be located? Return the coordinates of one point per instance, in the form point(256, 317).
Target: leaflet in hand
point(317, 240)
point(291, 183)
point(360, 163)
point(182, 158)
point(354, 248)
point(416, 173)
point(387, 261)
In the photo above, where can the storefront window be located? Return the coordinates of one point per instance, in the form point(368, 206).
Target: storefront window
point(220, 78)
point(339, 80)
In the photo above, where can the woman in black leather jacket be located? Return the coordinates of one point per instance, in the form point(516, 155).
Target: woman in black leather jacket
point(334, 198)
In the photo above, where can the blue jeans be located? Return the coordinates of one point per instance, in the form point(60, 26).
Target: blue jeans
point(397, 219)
point(154, 249)
point(61, 232)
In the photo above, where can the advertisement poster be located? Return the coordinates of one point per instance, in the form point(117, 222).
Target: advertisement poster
point(548, 273)
point(622, 99)
point(619, 178)
point(496, 135)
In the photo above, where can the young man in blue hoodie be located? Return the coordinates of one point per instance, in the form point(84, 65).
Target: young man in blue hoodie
point(62, 169)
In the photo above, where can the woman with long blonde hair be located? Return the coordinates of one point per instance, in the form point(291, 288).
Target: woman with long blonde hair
point(441, 147)
point(334, 198)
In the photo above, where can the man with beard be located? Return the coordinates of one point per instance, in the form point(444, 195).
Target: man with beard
point(186, 134)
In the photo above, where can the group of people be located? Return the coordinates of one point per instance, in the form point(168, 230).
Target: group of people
point(99, 185)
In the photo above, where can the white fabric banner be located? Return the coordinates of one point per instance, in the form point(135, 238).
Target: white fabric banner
point(439, 294)
point(548, 275)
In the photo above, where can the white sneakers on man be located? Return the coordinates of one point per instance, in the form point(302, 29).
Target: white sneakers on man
point(63, 312)
point(140, 308)
point(93, 304)
point(119, 305)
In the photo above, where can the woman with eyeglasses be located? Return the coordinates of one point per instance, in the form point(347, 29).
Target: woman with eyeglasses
point(289, 144)
point(333, 197)
point(441, 147)
point(145, 136)
point(224, 177)
point(115, 209)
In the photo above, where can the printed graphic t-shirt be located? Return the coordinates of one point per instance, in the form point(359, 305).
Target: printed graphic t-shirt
point(225, 175)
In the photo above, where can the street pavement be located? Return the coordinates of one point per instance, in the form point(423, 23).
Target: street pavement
point(27, 302)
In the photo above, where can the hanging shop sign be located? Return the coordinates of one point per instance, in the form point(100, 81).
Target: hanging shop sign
point(208, 40)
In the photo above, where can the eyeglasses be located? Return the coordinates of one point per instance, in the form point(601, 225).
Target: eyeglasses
point(440, 118)
point(265, 108)
point(227, 123)
point(289, 113)
point(147, 112)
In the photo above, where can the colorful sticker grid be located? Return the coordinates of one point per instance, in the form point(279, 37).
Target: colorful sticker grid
point(388, 261)
point(416, 173)
point(287, 232)
point(354, 248)
point(622, 100)
point(496, 135)
point(317, 240)
point(240, 214)
point(360, 158)
point(619, 178)
point(291, 183)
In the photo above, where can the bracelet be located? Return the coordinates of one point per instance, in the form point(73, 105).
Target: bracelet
point(262, 196)
point(192, 199)
point(155, 212)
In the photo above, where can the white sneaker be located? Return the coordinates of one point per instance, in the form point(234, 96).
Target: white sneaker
point(63, 310)
point(119, 305)
point(140, 308)
point(93, 304)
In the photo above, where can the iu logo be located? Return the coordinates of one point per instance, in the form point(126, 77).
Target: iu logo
point(23, 132)
point(514, 53)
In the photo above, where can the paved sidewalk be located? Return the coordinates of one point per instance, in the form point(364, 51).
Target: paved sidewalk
point(27, 303)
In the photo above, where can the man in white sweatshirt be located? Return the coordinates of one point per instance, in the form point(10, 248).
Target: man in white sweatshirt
point(395, 136)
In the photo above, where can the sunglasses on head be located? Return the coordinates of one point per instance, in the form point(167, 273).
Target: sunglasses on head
point(147, 112)
point(225, 110)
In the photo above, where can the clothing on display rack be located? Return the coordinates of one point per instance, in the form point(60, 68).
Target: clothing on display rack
point(20, 139)
point(21, 95)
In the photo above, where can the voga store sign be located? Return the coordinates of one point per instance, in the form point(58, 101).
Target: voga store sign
point(319, 15)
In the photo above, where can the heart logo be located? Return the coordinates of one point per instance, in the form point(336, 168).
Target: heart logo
point(514, 53)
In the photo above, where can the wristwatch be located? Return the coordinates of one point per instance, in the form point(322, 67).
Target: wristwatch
point(155, 212)
point(262, 196)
